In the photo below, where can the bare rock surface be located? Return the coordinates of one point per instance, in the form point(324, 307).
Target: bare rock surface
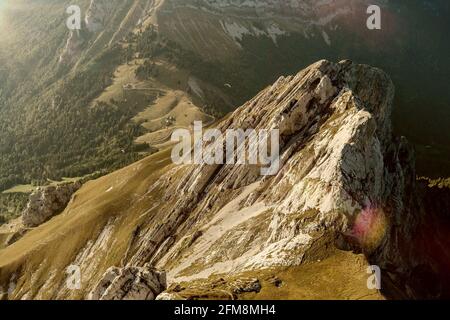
point(47, 202)
point(131, 283)
point(334, 122)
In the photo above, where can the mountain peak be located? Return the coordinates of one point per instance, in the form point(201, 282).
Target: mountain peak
point(340, 186)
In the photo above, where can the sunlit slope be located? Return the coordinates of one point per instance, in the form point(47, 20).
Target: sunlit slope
point(339, 276)
point(100, 220)
point(97, 228)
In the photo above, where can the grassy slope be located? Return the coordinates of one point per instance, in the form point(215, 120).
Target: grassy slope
point(340, 276)
point(54, 245)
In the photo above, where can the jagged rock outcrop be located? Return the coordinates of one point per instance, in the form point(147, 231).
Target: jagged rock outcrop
point(333, 142)
point(47, 202)
point(43, 204)
point(345, 184)
point(344, 179)
point(130, 283)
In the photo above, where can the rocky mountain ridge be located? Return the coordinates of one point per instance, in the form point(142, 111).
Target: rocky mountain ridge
point(346, 184)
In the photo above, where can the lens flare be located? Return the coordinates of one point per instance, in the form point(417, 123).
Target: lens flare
point(369, 228)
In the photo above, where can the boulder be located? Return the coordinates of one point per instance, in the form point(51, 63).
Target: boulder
point(47, 202)
point(130, 283)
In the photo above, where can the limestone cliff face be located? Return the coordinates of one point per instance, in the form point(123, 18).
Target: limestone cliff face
point(215, 28)
point(345, 184)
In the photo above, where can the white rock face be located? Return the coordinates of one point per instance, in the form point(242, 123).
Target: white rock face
point(129, 283)
point(47, 202)
point(237, 31)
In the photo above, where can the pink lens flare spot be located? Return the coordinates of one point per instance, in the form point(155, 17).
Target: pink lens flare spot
point(370, 227)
